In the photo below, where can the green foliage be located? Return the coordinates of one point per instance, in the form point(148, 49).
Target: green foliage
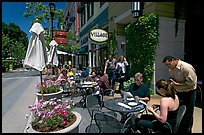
point(142, 40)
point(42, 12)
point(14, 42)
point(128, 82)
point(6, 63)
point(71, 45)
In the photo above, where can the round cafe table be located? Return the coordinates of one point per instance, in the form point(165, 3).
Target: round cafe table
point(112, 104)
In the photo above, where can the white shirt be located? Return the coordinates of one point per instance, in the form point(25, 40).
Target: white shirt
point(122, 64)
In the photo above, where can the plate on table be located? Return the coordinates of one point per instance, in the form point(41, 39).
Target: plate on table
point(87, 83)
point(94, 83)
point(132, 103)
point(130, 99)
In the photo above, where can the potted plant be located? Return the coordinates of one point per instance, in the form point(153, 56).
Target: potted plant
point(127, 83)
point(54, 115)
point(51, 89)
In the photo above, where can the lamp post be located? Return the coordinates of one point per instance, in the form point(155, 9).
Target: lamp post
point(52, 9)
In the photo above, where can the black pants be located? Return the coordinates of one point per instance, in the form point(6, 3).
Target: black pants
point(188, 99)
point(145, 122)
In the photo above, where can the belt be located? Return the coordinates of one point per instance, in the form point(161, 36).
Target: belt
point(186, 91)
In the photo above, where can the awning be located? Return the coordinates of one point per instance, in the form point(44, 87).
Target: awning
point(63, 53)
point(82, 51)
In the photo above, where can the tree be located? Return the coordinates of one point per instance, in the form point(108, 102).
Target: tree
point(14, 41)
point(42, 12)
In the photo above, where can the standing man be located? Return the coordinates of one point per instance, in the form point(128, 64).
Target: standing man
point(184, 78)
point(110, 70)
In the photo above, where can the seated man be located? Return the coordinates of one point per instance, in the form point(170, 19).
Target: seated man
point(85, 72)
point(140, 89)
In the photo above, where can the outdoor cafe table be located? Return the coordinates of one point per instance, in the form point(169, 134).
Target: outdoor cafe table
point(112, 104)
point(84, 89)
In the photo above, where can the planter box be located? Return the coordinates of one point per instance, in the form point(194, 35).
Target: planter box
point(74, 128)
point(49, 96)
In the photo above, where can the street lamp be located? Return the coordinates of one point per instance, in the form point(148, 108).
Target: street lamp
point(52, 9)
point(137, 8)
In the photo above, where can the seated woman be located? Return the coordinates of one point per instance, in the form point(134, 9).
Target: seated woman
point(140, 89)
point(169, 105)
point(93, 77)
point(70, 72)
point(63, 77)
point(104, 83)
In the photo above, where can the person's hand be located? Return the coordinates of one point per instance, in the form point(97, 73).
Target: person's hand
point(150, 108)
point(124, 58)
point(155, 106)
point(174, 82)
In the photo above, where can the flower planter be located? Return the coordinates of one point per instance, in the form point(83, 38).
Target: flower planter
point(74, 128)
point(49, 96)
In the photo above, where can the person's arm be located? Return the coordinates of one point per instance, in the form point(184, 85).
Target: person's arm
point(162, 117)
point(105, 68)
point(59, 79)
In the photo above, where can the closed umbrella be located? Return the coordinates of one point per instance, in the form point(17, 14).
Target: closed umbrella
point(36, 55)
point(52, 55)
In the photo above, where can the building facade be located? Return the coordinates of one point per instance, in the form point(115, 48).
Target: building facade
point(175, 32)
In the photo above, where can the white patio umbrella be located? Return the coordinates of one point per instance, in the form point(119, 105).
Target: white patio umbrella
point(36, 55)
point(52, 55)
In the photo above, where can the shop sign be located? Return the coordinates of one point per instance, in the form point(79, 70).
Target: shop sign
point(61, 40)
point(98, 35)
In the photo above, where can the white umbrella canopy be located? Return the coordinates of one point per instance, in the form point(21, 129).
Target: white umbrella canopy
point(52, 55)
point(36, 55)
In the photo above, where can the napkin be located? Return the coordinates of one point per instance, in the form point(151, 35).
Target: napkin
point(142, 102)
point(124, 105)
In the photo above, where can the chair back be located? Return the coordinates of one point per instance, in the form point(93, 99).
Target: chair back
point(92, 104)
point(107, 123)
point(181, 112)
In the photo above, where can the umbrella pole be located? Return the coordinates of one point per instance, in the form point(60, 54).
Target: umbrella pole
point(41, 85)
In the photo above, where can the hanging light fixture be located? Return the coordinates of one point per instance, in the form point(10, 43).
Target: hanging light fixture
point(136, 9)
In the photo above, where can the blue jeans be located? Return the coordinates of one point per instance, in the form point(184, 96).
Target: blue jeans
point(112, 77)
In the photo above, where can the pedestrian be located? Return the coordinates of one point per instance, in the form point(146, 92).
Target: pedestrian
point(110, 70)
point(168, 107)
point(139, 88)
point(121, 66)
point(184, 78)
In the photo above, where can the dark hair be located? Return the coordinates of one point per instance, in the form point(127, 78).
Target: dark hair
point(100, 73)
point(168, 86)
point(169, 58)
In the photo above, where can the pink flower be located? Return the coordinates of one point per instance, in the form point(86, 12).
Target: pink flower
point(63, 122)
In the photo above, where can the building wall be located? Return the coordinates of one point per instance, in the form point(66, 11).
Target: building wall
point(163, 9)
point(169, 44)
